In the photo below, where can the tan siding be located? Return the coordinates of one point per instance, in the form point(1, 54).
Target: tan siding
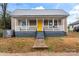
point(13, 23)
point(16, 22)
point(65, 25)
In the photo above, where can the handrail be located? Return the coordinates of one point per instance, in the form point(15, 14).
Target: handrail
point(36, 33)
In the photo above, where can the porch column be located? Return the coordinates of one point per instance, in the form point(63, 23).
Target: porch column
point(26, 24)
point(43, 24)
point(36, 23)
point(15, 24)
point(53, 23)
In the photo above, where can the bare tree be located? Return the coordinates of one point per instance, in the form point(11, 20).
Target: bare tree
point(4, 12)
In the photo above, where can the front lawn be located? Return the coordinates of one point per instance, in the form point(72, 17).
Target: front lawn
point(62, 44)
point(16, 45)
point(68, 43)
point(72, 35)
point(24, 45)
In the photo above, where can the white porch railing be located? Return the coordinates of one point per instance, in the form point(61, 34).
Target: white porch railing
point(34, 28)
point(25, 28)
point(20, 28)
point(57, 28)
point(31, 28)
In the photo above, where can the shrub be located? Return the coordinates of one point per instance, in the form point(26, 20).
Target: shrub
point(1, 33)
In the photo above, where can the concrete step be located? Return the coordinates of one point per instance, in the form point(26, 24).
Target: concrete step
point(39, 43)
point(40, 35)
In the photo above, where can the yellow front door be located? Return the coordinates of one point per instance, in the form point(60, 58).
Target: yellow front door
point(39, 25)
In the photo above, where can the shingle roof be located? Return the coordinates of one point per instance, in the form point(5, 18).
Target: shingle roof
point(22, 12)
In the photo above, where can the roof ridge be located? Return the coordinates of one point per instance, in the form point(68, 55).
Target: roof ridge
point(38, 9)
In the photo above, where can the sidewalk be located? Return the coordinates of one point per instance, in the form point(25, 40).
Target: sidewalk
point(39, 54)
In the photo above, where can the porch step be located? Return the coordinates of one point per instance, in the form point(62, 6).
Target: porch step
point(39, 43)
point(40, 35)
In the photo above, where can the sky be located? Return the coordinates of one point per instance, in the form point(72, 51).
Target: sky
point(71, 8)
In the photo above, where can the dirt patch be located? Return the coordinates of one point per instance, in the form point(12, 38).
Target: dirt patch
point(16, 45)
point(62, 44)
point(72, 35)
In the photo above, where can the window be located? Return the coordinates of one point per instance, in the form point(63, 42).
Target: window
point(32, 22)
point(55, 23)
point(50, 23)
point(22, 22)
point(45, 22)
point(59, 22)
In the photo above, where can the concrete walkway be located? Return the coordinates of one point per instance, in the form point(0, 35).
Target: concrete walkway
point(39, 54)
point(40, 43)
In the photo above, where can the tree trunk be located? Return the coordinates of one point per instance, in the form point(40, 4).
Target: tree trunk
point(4, 7)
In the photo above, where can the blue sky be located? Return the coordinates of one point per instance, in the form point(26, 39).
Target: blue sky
point(71, 8)
point(64, 6)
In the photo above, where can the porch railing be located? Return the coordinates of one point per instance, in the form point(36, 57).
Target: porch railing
point(34, 28)
point(31, 28)
point(52, 28)
point(25, 28)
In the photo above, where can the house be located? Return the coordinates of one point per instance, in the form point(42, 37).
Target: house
point(73, 25)
point(39, 22)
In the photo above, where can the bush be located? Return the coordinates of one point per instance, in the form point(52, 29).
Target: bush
point(1, 33)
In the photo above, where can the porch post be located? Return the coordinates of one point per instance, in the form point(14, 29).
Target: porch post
point(15, 24)
point(43, 23)
point(53, 24)
point(36, 24)
point(26, 24)
point(48, 22)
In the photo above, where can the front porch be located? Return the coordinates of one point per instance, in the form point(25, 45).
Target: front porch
point(39, 24)
point(29, 26)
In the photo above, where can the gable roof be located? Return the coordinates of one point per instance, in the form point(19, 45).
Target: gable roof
point(21, 12)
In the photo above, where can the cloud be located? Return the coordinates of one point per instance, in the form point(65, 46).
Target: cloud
point(40, 7)
point(74, 14)
point(75, 10)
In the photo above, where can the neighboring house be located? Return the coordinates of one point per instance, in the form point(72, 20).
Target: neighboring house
point(45, 22)
point(73, 25)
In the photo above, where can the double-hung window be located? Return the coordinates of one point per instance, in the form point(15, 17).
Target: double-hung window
point(50, 24)
point(22, 22)
point(55, 23)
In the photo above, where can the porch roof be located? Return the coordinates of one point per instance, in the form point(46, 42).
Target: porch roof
point(51, 12)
